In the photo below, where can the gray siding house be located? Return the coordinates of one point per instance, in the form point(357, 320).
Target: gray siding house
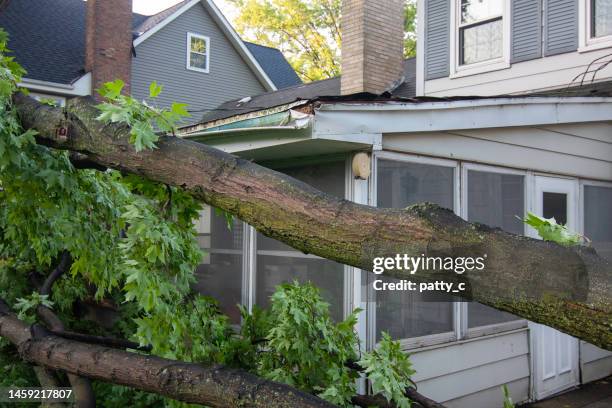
point(48, 38)
point(489, 121)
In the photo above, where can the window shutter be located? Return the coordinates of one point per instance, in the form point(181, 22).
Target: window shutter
point(437, 38)
point(526, 33)
point(560, 26)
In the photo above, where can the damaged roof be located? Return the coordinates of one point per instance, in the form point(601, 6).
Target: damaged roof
point(312, 90)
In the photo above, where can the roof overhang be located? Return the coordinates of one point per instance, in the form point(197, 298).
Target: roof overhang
point(227, 29)
point(306, 128)
point(79, 87)
point(480, 113)
point(278, 134)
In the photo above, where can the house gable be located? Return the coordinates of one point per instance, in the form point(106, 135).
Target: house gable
point(163, 58)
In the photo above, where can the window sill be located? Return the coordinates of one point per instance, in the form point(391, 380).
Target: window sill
point(479, 68)
point(596, 44)
point(205, 71)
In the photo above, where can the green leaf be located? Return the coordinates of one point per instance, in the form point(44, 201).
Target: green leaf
point(111, 90)
point(180, 109)
point(549, 230)
point(154, 89)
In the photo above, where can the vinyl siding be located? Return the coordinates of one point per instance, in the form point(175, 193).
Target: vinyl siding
point(437, 38)
point(470, 374)
point(163, 58)
point(578, 150)
point(526, 30)
point(595, 363)
point(560, 26)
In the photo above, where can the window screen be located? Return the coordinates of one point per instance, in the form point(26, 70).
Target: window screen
point(598, 218)
point(400, 184)
point(601, 18)
point(220, 273)
point(279, 263)
point(494, 199)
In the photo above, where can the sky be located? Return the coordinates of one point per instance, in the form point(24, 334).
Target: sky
point(149, 7)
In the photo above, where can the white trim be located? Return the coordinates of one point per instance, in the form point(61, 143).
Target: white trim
point(164, 22)
point(582, 183)
point(587, 43)
point(80, 87)
point(420, 56)
point(394, 117)
point(188, 50)
point(457, 70)
point(226, 27)
point(432, 339)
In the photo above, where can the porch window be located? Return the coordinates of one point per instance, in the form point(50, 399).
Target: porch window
point(480, 30)
point(198, 52)
point(601, 18)
point(220, 273)
point(406, 315)
point(494, 199)
point(598, 218)
point(279, 263)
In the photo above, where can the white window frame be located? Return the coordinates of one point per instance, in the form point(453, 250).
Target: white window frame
point(503, 62)
point(586, 42)
point(432, 339)
point(582, 183)
point(469, 333)
point(207, 40)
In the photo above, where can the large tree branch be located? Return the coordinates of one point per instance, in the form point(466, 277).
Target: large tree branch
point(213, 386)
point(565, 288)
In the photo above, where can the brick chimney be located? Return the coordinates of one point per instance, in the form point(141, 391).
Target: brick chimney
point(108, 42)
point(372, 45)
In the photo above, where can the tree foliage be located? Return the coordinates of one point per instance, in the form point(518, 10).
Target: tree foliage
point(307, 32)
point(132, 245)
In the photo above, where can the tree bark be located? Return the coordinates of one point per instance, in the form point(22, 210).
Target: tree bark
point(213, 386)
point(568, 288)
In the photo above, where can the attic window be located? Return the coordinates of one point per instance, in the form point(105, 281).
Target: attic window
point(198, 52)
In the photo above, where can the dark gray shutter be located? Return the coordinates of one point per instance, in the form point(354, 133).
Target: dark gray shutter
point(526, 34)
point(437, 38)
point(560, 26)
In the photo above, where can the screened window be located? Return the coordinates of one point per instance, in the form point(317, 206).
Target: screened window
point(220, 273)
point(601, 18)
point(279, 263)
point(407, 314)
point(598, 218)
point(494, 199)
point(480, 30)
point(198, 52)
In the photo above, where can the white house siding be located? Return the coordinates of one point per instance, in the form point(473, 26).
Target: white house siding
point(163, 58)
point(470, 373)
point(578, 150)
point(595, 363)
point(556, 71)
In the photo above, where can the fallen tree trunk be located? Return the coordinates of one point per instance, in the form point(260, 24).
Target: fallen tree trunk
point(568, 288)
point(213, 386)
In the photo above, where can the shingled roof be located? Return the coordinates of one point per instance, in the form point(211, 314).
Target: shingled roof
point(311, 90)
point(48, 39)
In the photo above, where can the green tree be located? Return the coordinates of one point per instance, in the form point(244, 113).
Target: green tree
point(306, 31)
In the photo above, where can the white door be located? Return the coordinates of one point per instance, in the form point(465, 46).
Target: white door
point(555, 355)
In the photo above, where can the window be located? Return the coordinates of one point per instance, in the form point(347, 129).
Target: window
point(598, 218)
point(601, 18)
point(595, 19)
point(198, 52)
point(408, 315)
point(220, 273)
point(480, 31)
point(494, 199)
point(279, 263)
